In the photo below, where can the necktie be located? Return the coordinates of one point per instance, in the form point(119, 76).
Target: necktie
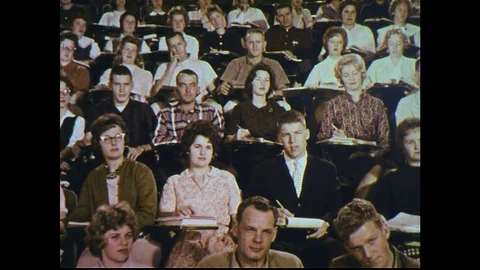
point(297, 177)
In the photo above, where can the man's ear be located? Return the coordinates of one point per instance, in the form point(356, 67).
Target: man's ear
point(274, 233)
point(265, 46)
point(244, 44)
point(385, 229)
point(308, 133)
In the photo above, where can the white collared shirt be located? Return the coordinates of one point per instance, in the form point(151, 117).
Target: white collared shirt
point(302, 162)
point(144, 49)
point(408, 106)
point(192, 45)
point(153, 13)
point(204, 71)
point(384, 71)
point(323, 72)
point(85, 42)
point(78, 128)
point(111, 18)
point(249, 15)
point(197, 15)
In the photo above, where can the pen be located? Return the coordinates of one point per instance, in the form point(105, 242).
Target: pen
point(238, 126)
point(278, 202)
point(334, 127)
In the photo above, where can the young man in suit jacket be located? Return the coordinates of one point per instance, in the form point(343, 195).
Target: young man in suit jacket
point(306, 186)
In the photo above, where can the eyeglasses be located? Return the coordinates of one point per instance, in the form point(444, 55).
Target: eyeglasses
point(107, 139)
point(65, 91)
point(67, 48)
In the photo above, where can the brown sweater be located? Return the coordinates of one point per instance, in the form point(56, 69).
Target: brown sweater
point(136, 186)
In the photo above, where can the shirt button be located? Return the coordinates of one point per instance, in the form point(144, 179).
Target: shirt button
point(221, 43)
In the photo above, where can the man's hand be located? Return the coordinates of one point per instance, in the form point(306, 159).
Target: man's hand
point(135, 152)
point(282, 216)
point(64, 166)
point(320, 232)
point(225, 88)
point(174, 59)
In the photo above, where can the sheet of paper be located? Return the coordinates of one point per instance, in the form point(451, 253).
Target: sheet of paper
point(403, 222)
point(304, 223)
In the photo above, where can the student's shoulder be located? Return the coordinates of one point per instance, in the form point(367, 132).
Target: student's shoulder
point(283, 259)
point(215, 260)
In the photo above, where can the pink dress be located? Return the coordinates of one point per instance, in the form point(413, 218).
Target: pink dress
point(219, 197)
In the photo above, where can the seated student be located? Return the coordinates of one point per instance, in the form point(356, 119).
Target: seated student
point(78, 75)
point(72, 127)
point(395, 66)
point(399, 191)
point(409, 106)
point(334, 41)
point(415, 8)
point(173, 120)
point(200, 190)
point(68, 12)
point(178, 19)
point(302, 18)
point(138, 116)
point(328, 11)
point(87, 47)
point(295, 42)
point(365, 234)
point(221, 38)
point(118, 179)
point(255, 230)
point(399, 11)
point(112, 18)
point(360, 37)
point(306, 186)
point(244, 13)
point(180, 59)
point(201, 14)
point(156, 16)
point(355, 114)
point(128, 25)
point(127, 55)
point(376, 9)
point(256, 117)
point(238, 69)
point(110, 236)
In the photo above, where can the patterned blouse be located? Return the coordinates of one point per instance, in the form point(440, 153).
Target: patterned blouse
point(365, 119)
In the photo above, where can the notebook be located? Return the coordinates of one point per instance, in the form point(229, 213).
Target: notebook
point(192, 221)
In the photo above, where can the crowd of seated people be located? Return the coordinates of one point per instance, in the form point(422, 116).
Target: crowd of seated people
point(177, 133)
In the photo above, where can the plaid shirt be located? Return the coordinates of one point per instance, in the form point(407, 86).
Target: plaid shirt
point(172, 122)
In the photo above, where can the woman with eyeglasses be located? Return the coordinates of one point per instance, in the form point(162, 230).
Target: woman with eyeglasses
point(118, 178)
point(200, 190)
point(72, 127)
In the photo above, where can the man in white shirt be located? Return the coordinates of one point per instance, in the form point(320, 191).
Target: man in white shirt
point(244, 14)
point(180, 59)
point(302, 18)
point(178, 19)
point(409, 106)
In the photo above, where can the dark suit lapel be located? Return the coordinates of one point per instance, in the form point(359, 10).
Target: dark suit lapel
point(287, 179)
point(308, 176)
